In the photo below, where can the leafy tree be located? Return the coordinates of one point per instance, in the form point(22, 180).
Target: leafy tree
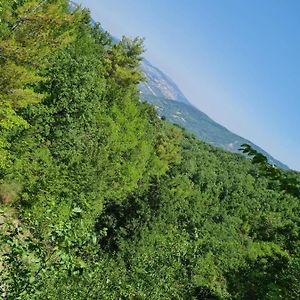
point(287, 181)
point(30, 31)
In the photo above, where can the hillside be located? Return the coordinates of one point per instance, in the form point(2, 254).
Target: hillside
point(164, 94)
point(159, 84)
point(102, 199)
point(202, 126)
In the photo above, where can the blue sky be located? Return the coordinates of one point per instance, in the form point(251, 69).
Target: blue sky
point(237, 61)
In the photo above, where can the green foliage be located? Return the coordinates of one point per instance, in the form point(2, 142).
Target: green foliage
point(123, 61)
point(30, 30)
point(100, 199)
point(288, 182)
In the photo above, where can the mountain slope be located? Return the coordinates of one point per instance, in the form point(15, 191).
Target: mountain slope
point(159, 84)
point(202, 126)
point(170, 102)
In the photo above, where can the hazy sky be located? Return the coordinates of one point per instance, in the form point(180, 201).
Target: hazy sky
point(237, 61)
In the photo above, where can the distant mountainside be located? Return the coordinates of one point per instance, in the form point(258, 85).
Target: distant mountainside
point(159, 84)
point(206, 129)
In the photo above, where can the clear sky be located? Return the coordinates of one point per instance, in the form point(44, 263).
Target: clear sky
point(238, 61)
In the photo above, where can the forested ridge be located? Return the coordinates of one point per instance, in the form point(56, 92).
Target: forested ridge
point(101, 199)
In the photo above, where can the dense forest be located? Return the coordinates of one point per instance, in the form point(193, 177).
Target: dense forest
point(102, 199)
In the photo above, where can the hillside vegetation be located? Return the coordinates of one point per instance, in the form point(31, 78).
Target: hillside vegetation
point(101, 199)
point(202, 126)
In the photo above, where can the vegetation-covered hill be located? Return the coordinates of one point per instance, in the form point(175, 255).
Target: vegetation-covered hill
point(101, 199)
point(206, 129)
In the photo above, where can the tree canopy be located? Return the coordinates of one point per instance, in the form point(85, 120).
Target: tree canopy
point(102, 199)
